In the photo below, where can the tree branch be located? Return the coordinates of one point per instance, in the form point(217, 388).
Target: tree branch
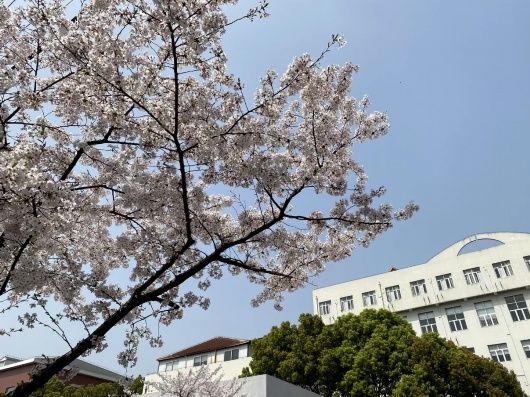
point(14, 264)
point(243, 265)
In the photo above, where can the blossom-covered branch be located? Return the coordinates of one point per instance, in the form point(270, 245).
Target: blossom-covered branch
point(126, 147)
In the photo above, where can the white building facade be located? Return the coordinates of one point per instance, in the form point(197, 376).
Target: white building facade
point(231, 354)
point(478, 299)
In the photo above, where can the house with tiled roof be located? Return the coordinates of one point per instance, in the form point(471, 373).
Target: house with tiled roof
point(231, 354)
point(215, 350)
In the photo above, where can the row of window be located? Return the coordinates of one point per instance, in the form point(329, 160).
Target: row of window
point(228, 356)
point(419, 287)
point(197, 360)
point(485, 312)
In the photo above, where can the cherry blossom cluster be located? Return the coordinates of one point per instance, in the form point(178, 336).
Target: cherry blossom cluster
point(134, 172)
point(200, 381)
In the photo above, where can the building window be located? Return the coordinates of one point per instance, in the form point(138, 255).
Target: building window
point(526, 347)
point(499, 353)
point(231, 354)
point(517, 307)
point(200, 360)
point(527, 261)
point(486, 313)
point(393, 293)
point(346, 303)
point(427, 322)
point(503, 269)
point(444, 281)
point(470, 349)
point(472, 275)
point(418, 287)
point(369, 298)
point(324, 307)
point(456, 319)
point(167, 366)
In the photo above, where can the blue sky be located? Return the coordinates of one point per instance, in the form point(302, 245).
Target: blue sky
point(453, 77)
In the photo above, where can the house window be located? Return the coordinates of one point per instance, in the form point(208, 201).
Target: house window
point(167, 366)
point(418, 287)
point(369, 298)
point(527, 261)
point(324, 307)
point(499, 353)
point(444, 281)
point(517, 307)
point(427, 322)
point(526, 347)
point(486, 313)
point(393, 293)
point(346, 303)
point(200, 360)
point(472, 275)
point(456, 319)
point(231, 354)
point(503, 269)
point(470, 349)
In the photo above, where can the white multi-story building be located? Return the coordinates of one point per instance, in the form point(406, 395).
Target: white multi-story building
point(476, 299)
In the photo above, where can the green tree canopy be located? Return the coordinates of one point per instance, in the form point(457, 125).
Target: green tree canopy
point(374, 354)
point(57, 388)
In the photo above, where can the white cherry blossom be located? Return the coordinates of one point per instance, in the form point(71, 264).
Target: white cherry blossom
point(126, 146)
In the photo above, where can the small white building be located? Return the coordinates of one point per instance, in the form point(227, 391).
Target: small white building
point(231, 355)
point(477, 299)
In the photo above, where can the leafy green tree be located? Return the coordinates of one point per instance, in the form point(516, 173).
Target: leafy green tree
point(458, 372)
point(290, 352)
point(375, 354)
point(136, 386)
point(57, 388)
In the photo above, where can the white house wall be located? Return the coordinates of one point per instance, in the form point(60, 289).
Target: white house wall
point(229, 369)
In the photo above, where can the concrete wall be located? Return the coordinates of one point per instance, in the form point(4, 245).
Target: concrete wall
point(277, 387)
point(515, 247)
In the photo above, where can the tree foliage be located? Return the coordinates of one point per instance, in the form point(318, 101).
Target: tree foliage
point(374, 354)
point(57, 388)
point(136, 386)
point(127, 148)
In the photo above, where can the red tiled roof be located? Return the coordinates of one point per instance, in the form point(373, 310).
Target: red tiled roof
point(213, 344)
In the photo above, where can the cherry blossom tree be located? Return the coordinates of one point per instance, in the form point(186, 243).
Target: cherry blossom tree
point(197, 382)
point(126, 147)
